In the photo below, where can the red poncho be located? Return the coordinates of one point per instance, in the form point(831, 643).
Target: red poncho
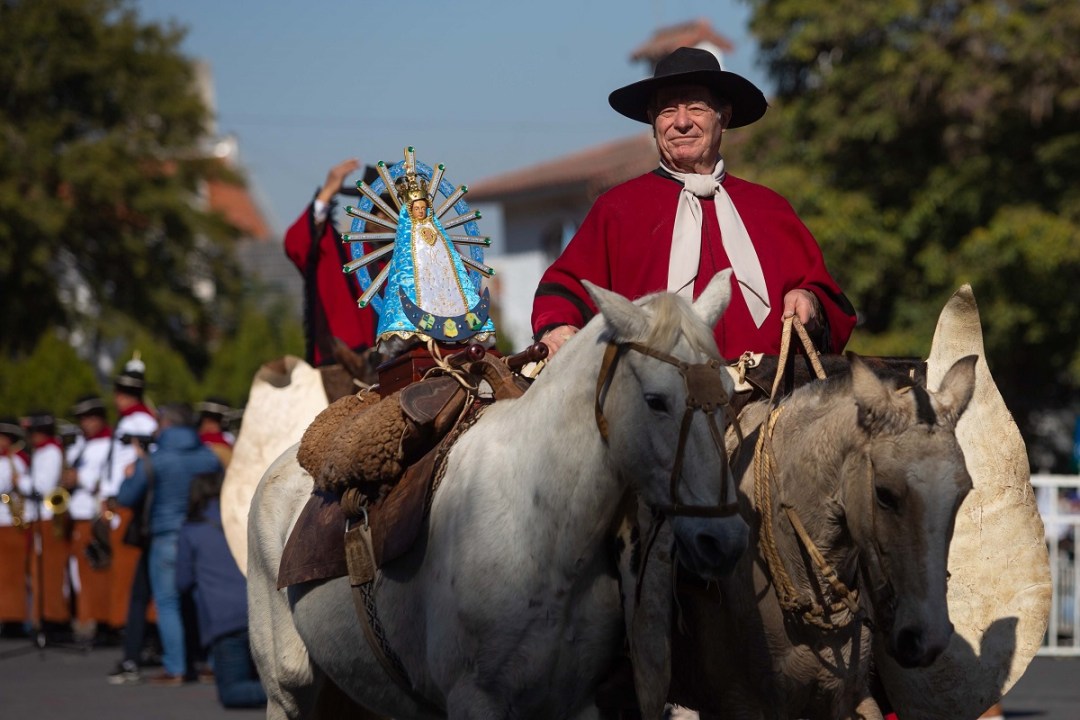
point(329, 294)
point(624, 245)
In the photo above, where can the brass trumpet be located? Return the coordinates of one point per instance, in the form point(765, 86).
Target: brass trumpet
point(57, 502)
point(15, 504)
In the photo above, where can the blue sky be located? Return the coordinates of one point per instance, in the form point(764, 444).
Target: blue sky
point(482, 86)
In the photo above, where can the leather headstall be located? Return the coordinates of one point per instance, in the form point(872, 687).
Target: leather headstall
point(705, 392)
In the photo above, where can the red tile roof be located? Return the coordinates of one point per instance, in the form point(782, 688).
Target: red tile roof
point(687, 34)
point(588, 172)
point(592, 170)
point(239, 208)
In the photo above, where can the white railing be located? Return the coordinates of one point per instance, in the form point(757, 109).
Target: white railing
point(1059, 505)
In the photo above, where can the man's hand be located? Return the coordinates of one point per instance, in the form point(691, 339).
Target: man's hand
point(804, 305)
point(557, 337)
point(335, 177)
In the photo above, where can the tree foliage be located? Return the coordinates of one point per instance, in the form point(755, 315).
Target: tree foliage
point(101, 156)
point(50, 378)
point(931, 143)
point(259, 337)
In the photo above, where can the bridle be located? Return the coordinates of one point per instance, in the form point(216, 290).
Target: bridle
point(705, 392)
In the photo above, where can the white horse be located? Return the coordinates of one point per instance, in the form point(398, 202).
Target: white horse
point(508, 606)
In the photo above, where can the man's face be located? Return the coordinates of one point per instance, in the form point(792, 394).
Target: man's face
point(123, 400)
point(688, 123)
point(91, 424)
point(209, 424)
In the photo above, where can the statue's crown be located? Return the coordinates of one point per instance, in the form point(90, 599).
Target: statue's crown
point(411, 187)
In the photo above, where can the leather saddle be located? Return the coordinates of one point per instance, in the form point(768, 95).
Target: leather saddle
point(436, 410)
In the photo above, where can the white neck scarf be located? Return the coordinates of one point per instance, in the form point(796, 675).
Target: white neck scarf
point(686, 241)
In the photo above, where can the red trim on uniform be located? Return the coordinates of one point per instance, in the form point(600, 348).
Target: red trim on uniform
point(214, 438)
point(137, 407)
point(48, 441)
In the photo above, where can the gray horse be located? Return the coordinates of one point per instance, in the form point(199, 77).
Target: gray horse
point(874, 475)
point(509, 606)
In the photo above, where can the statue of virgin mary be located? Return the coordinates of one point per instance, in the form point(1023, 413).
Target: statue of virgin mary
point(430, 294)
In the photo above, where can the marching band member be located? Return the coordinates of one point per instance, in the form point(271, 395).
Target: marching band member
point(14, 464)
point(88, 469)
point(211, 431)
point(52, 545)
point(136, 425)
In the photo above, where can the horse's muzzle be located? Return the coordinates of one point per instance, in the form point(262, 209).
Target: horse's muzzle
point(710, 547)
point(912, 646)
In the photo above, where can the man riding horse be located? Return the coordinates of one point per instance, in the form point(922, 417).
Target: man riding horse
point(674, 228)
point(677, 226)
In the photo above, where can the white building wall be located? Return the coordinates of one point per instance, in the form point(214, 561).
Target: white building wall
point(519, 255)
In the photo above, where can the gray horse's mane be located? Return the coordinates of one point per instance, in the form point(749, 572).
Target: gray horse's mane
point(905, 391)
point(671, 316)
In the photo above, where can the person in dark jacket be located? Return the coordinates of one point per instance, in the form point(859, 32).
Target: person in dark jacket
point(164, 478)
point(205, 566)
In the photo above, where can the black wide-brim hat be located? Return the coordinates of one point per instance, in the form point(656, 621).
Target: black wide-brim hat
point(40, 421)
point(692, 66)
point(10, 426)
point(88, 405)
point(214, 407)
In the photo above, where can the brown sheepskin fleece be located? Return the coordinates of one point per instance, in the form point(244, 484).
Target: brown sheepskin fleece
point(355, 441)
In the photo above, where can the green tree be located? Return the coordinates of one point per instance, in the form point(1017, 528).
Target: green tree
point(257, 338)
point(929, 143)
point(50, 378)
point(102, 133)
point(168, 377)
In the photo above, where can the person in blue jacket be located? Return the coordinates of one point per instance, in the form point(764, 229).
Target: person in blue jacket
point(164, 478)
point(205, 566)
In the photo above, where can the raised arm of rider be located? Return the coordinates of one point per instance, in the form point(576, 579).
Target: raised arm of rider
point(334, 178)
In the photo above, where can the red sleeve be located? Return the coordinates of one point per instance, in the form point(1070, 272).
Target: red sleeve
point(839, 313)
point(298, 239)
point(791, 258)
point(560, 298)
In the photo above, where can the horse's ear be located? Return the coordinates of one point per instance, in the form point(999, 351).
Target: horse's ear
point(956, 390)
point(875, 400)
point(714, 299)
point(624, 317)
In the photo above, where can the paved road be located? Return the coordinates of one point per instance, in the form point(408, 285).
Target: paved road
point(59, 685)
point(62, 685)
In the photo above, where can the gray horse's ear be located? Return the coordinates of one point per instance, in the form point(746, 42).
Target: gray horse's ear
point(876, 402)
point(624, 317)
point(714, 299)
point(957, 388)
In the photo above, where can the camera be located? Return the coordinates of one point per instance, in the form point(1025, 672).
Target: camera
point(143, 440)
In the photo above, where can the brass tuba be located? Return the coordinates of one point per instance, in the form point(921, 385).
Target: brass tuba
point(16, 505)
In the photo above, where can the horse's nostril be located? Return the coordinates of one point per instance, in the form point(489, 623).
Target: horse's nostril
point(721, 554)
point(909, 646)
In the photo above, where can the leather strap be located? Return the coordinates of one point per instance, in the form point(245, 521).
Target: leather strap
point(360, 557)
point(705, 392)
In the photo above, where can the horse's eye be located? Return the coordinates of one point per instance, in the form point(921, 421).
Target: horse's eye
point(886, 498)
point(656, 402)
